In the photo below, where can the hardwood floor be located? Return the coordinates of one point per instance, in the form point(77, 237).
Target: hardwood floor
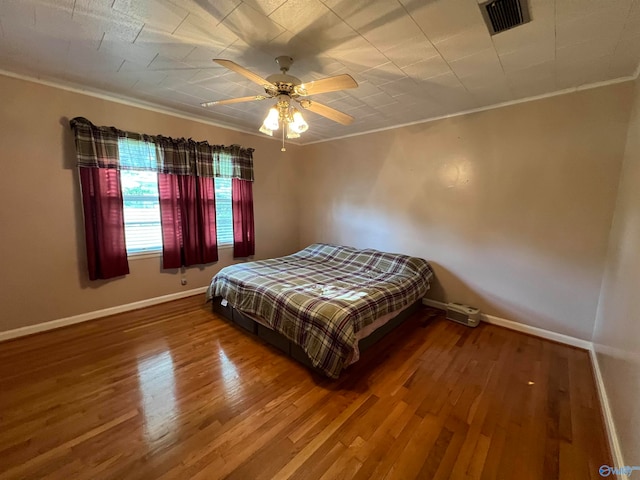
point(174, 392)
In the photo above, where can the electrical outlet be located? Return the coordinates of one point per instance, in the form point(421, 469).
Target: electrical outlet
point(183, 281)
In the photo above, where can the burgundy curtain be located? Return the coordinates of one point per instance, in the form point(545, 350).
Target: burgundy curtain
point(188, 216)
point(207, 232)
point(243, 228)
point(186, 171)
point(103, 222)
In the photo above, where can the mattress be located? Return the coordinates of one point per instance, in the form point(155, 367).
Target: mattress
point(323, 297)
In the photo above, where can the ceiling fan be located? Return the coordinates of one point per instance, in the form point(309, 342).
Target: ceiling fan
point(284, 88)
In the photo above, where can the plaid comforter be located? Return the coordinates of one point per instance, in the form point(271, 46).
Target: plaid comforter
point(321, 296)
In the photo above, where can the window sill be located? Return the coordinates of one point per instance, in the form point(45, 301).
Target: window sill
point(140, 255)
point(158, 253)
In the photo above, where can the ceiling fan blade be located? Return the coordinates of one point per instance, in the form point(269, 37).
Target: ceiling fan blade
point(234, 100)
point(329, 84)
point(328, 112)
point(244, 72)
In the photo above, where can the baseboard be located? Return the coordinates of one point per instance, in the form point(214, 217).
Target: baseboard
point(538, 332)
point(612, 436)
point(84, 317)
point(520, 327)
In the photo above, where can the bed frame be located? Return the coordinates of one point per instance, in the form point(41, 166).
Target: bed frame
point(291, 349)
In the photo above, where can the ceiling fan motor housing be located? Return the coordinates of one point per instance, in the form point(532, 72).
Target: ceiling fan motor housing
point(284, 83)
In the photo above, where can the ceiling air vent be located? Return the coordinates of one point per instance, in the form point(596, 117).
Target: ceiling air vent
point(501, 15)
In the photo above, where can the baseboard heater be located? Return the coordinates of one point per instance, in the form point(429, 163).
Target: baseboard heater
point(463, 314)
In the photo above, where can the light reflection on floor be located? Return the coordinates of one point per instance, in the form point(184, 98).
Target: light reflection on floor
point(230, 375)
point(156, 377)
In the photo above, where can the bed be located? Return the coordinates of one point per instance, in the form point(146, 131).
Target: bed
point(323, 303)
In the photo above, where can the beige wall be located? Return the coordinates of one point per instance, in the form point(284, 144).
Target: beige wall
point(42, 241)
point(617, 331)
point(512, 206)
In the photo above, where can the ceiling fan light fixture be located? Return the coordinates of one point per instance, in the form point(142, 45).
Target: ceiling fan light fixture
point(291, 133)
point(266, 131)
point(272, 121)
point(292, 121)
point(298, 124)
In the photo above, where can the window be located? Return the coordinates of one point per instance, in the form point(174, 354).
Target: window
point(224, 215)
point(142, 225)
point(142, 229)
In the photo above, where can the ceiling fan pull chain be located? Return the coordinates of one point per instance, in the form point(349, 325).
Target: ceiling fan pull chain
point(283, 149)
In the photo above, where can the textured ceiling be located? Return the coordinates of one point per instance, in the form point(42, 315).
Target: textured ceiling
point(413, 59)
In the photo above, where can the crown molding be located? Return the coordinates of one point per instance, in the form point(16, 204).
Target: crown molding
point(123, 100)
point(488, 107)
point(132, 102)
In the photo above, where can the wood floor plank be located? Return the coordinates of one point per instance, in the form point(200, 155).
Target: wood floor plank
point(173, 391)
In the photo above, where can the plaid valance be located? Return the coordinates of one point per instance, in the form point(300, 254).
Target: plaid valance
point(98, 147)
